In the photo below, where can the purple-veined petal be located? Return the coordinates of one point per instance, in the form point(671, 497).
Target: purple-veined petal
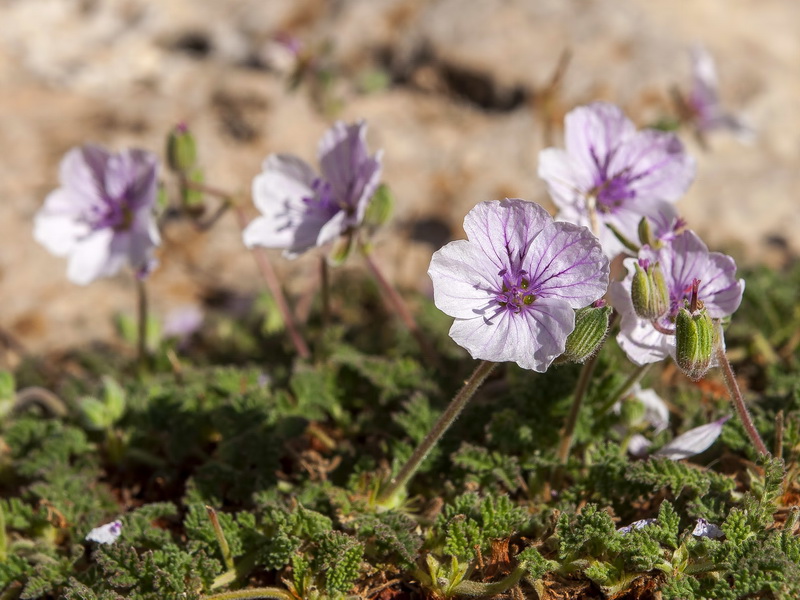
point(504, 229)
point(462, 286)
point(566, 261)
point(694, 441)
point(346, 164)
point(532, 339)
point(656, 165)
point(592, 133)
point(82, 171)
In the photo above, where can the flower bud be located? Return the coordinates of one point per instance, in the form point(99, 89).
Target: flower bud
point(591, 327)
point(695, 336)
point(646, 233)
point(380, 206)
point(649, 292)
point(181, 149)
point(193, 199)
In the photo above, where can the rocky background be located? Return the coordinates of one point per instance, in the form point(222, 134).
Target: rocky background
point(458, 94)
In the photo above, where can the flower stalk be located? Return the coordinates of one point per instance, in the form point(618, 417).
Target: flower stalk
point(448, 417)
point(736, 395)
point(227, 557)
point(141, 312)
point(400, 307)
point(568, 433)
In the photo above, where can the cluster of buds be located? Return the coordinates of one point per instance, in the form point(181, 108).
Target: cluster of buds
point(675, 294)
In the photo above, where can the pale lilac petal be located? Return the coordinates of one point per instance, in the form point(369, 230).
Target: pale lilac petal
point(638, 445)
point(92, 258)
point(105, 534)
point(687, 259)
point(656, 411)
point(657, 165)
point(704, 528)
point(461, 287)
point(566, 180)
point(503, 230)
point(182, 322)
point(567, 262)
point(555, 320)
point(532, 339)
point(82, 171)
point(55, 227)
point(593, 132)
point(346, 164)
point(694, 441)
point(641, 523)
point(283, 184)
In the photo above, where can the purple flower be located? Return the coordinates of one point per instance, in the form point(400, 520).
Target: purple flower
point(703, 102)
point(302, 210)
point(683, 260)
point(513, 285)
point(612, 175)
point(102, 215)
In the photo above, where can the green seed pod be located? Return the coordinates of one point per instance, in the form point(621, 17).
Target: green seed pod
point(591, 327)
point(649, 292)
point(695, 336)
point(181, 149)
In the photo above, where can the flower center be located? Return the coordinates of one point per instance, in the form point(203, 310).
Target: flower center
point(515, 294)
point(114, 213)
point(323, 200)
point(612, 193)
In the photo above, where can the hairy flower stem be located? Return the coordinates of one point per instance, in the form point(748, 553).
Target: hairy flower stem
point(736, 395)
point(402, 310)
point(262, 261)
point(324, 272)
point(141, 337)
point(568, 432)
point(271, 279)
point(450, 414)
point(266, 592)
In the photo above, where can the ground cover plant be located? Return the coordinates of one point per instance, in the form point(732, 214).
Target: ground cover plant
point(598, 444)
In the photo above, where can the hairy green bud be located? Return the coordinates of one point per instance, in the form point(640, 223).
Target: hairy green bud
point(181, 149)
point(695, 336)
point(649, 292)
point(591, 327)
